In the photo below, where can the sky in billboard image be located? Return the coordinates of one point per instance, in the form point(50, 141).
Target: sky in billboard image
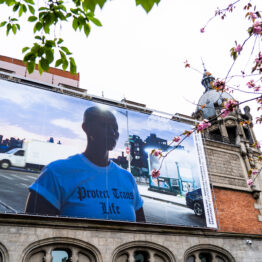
point(37, 115)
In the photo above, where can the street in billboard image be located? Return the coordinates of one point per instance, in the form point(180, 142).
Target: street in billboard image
point(66, 156)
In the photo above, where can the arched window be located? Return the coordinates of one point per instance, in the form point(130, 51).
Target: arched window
point(3, 254)
point(61, 250)
point(142, 252)
point(207, 253)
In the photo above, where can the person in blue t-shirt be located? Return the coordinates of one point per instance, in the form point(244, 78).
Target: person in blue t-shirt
point(88, 185)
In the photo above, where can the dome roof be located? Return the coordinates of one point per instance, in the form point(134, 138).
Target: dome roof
point(209, 98)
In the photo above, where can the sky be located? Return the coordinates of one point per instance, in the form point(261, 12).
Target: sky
point(141, 56)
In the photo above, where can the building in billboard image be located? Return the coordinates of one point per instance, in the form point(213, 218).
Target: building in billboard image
point(79, 181)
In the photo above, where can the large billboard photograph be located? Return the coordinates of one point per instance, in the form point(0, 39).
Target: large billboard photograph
point(67, 156)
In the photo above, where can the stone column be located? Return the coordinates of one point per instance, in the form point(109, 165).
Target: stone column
point(131, 257)
point(48, 254)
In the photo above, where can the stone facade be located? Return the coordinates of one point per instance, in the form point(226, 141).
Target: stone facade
point(20, 235)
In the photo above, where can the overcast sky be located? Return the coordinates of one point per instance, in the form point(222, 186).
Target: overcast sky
point(141, 56)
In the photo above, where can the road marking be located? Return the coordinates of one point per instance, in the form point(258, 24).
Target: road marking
point(7, 177)
point(33, 177)
point(20, 177)
point(7, 206)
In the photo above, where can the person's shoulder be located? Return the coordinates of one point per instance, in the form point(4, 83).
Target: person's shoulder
point(70, 162)
point(123, 172)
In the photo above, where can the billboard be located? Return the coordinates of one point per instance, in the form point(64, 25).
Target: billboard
point(67, 156)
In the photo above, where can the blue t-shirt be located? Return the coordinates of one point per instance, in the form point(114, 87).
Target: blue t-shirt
point(79, 188)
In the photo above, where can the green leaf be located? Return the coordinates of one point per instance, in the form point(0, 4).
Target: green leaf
point(30, 2)
point(10, 2)
point(30, 67)
point(44, 64)
point(43, 8)
point(65, 64)
point(32, 19)
point(38, 37)
point(24, 8)
point(25, 49)
point(75, 23)
point(91, 4)
point(72, 66)
point(94, 20)
point(46, 28)
point(40, 69)
point(49, 55)
point(2, 1)
point(58, 62)
point(38, 26)
point(29, 57)
point(8, 28)
point(18, 26)
point(3, 23)
point(31, 9)
point(65, 49)
point(147, 4)
point(16, 6)
point(87, 29)
point(14, 29)
point(21, 10)
point(60, 41)
point(63, 56)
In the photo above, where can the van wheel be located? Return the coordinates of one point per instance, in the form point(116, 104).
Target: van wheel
point(198, 209)
point(5, 164)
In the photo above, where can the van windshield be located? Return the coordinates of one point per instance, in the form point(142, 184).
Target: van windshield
point(11, 151)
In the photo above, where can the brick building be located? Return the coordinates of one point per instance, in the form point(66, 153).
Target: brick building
point(229, 156)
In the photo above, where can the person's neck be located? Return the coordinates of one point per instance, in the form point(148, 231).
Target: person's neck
point(96, 157)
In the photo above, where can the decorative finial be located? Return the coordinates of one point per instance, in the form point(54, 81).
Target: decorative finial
point(203, 65)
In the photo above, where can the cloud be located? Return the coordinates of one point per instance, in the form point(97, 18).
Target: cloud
point(74, 127)
point(27, 96)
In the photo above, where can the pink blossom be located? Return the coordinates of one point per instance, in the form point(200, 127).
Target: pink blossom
point(238, 48)
point(252, 15)
point(259, 60)
point(176, 139)
point(155, 173)
point(257, 28)
point(257, 145)
point(156, 152)
point(224, 113)
point(254, 172)
point(257, 88)
point(231, 104)
point(219, 84)
point(202, 30)
point(203, 125)
point(250, 182)
point(251, 84)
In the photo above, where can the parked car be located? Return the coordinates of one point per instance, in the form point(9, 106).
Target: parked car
point(194, 201)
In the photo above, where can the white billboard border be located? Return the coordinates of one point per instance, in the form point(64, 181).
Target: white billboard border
point(204, 182)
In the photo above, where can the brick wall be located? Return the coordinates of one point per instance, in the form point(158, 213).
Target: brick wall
point(236, 212)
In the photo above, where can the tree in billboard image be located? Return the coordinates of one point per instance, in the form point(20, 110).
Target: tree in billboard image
point(89, 185)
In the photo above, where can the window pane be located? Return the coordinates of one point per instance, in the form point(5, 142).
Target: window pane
point(205, 257)
point(190, 259)
point(60, 256)
point(220, 259)
point(141, 256)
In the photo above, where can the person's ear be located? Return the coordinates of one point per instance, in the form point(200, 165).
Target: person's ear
point(84, 127)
